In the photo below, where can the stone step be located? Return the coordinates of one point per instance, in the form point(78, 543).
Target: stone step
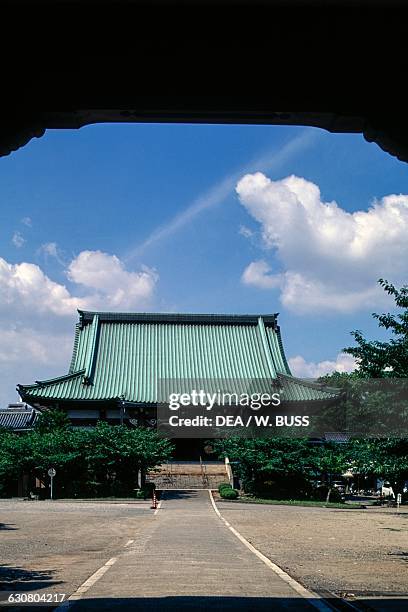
point(191, 468)
point(188, 475)
point(186, 481)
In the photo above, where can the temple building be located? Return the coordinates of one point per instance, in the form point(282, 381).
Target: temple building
point(119, 359)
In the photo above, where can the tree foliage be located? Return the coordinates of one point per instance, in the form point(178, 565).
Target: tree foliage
point(103, 460)
point(380, 405)
point(387, 458)
point(390, 358)
point(52, 420)
point(281, 466)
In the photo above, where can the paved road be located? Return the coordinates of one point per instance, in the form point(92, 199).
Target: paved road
point(185, 559)
point(52, 547)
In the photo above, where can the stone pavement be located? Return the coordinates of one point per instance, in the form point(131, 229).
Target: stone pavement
point(186, 559)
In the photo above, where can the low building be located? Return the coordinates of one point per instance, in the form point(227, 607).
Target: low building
point(18, 417)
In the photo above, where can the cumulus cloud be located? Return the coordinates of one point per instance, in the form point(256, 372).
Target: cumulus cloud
point(19, 344)
point(220, 190)
point(37, 313)
point(331, 258)
point(28, 354)
point(115, 286)
point(18, 240)
point(24, 288)
point(27, 221)
point(310, 369)
point(258, 274)
point(27, 289)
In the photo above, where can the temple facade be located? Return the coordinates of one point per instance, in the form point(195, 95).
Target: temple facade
point(119, 359)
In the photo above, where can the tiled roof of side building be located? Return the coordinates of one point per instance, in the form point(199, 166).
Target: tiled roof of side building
point(18, 419)
point(129, 354)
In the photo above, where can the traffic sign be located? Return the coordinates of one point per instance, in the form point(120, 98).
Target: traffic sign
point(51, 472)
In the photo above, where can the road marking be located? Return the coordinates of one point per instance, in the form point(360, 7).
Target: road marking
point(314, 599)
point(86, 585)
point(68, 603)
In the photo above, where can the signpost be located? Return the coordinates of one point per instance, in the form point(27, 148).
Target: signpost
point(51, 474)
point(398, 500)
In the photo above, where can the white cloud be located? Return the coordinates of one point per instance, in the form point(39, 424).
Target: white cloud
point(219, 192)
point(50, 249)
point(27, 221)
point(115, 286)
point(37, 314)
point(309, 369)
point(18, 240)
point(258, 274)
point(27, 355)
point(245, 231)
point(332, 258)
point(24, 288)
point(19, 344)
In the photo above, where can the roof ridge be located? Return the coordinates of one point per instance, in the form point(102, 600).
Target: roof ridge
point(91, 350)
point(75, 348)
point(267, 349)
point(87, 316)
point(50, 381)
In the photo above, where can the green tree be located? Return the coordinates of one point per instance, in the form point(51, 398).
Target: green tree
point(385, 403)
point(387, 458)
point(116, 453)
point(52, 420)
point(281, 466)
point(103, 460)
point(390, 358)
point(8, 460)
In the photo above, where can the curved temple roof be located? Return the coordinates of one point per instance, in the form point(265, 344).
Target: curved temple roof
point(127, 355)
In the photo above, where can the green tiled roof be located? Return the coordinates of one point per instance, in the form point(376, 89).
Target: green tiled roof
point(127, 355)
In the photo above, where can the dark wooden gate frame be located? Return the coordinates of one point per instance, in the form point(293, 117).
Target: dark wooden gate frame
point(334, 64)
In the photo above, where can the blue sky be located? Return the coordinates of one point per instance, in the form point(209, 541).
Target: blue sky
point(147, 217)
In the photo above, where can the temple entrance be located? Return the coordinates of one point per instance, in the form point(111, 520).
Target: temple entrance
point(191, 449)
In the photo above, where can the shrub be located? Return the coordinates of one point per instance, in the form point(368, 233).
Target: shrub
point(224, 485)
point(146, 491)
point(149, 487)
point(320, 494)
point(227, 493)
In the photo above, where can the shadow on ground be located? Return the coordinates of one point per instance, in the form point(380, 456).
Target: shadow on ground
point(19, 579)
point(7, 526)
point(224, 604)
point(177, 494)
point(195, 604)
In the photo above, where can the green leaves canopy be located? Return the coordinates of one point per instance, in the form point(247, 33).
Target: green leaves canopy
point(380, 359)
point(103, 459)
